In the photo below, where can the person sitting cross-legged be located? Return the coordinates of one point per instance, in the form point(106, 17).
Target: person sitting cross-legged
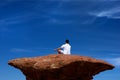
point(65, 48)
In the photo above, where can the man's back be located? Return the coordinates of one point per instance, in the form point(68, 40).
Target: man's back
point(66, 48)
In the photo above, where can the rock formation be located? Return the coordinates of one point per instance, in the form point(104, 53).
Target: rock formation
point(60, 67)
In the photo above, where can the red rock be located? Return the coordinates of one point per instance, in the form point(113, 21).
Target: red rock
point(60, 67)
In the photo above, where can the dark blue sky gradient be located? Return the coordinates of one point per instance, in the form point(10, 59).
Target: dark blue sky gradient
point(31, 28)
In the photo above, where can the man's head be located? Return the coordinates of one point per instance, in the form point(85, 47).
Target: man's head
point(67, 41)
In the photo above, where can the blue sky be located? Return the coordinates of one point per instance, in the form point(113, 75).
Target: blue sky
point(31, 28)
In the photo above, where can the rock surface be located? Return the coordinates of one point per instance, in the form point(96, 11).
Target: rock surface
point(60, 67)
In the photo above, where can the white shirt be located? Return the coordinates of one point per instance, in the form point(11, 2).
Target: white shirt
point(66, 48)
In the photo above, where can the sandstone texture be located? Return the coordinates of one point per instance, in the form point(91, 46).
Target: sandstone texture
point(60, 67)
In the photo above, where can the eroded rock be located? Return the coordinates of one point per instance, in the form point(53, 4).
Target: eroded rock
point(60, 67)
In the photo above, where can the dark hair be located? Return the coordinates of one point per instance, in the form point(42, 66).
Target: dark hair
point(67, 41)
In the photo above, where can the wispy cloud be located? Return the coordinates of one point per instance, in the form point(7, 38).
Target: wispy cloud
point(15, 19)
point(21, 50)
point(107, 0)
point(56, 0)
point(115, 54)
point(4, 29)
point(82, 0)
point(6, 2)
point(103, 0)
point(114, 61)
point(30, 50)
point(9, 21)
point(58, 21)
point(116, 51)
point(113, 13)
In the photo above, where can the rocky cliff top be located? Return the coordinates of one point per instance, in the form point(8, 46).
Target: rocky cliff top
point(60, 67)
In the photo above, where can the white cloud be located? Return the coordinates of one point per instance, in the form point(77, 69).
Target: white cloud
point(110, 13)
point(15, 19)
point(4, 29)
point(20, 50)
point(115, 54)
point(63, 0)
point(82, 0)
point(8, 21)
point(104, 0)
point(114, 61)
point(59, 21)
point(6, 2)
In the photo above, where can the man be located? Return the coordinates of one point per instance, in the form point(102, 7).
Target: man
point(65, 48)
